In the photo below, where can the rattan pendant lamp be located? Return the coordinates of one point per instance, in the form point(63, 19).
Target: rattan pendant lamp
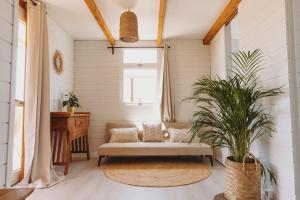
point(129, 27)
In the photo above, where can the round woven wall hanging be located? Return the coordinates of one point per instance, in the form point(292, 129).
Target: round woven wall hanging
point(58, 62)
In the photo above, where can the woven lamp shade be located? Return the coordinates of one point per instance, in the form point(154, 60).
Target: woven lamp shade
point(129, 27)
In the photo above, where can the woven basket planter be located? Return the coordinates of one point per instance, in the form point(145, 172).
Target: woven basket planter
point(129, 27)
point(242, 182)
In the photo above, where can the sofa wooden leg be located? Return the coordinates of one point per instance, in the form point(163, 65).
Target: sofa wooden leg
point(99, 160)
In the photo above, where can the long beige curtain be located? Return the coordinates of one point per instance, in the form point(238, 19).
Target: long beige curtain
point(167, 110)
point(38, 171)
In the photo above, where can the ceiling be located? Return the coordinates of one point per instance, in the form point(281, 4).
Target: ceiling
point(185, 19)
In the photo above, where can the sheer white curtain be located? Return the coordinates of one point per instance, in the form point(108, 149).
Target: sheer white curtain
point(167, 110)
point(38, 171)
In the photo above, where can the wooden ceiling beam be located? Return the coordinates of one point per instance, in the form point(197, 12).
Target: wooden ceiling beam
point(226, 16)
point(161, 21)
point(100, 20)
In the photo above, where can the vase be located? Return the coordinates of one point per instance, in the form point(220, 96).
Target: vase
point(242, 180)
point(71, 110)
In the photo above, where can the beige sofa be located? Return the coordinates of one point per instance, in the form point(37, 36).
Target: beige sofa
point(165, 148)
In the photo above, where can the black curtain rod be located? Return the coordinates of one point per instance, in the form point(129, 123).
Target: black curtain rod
point(140, 47)
point(116, 47)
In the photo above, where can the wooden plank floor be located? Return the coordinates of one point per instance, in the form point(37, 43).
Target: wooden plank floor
point(86, 181)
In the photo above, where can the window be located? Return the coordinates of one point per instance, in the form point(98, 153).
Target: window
point(19, 98)
point(140, 76)
point(139, 86)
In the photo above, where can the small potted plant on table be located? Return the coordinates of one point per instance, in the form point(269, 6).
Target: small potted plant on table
point(233, 117)
point(71, 102)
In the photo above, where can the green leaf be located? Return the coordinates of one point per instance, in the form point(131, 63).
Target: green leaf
point(72, 100)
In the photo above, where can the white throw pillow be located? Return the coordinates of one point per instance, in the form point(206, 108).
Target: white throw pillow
point(123, 135)
point(152, 132)
point(179, 135)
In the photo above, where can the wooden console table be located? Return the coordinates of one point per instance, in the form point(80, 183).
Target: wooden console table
point(69, 134)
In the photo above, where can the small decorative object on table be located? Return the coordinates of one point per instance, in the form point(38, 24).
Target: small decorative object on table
point(72, 102)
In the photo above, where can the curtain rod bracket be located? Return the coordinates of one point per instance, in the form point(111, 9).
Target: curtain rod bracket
point(112, 50)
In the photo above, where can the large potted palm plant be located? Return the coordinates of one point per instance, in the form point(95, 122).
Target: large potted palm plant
point(232, 116)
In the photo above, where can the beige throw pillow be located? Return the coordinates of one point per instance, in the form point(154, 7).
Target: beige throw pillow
point(152, 132)
point(123, 135)
point(179, 135)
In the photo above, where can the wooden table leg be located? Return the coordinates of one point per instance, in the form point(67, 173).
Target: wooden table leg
point(87, 147)
point(68, 152)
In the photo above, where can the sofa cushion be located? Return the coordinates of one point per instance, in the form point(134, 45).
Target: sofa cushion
point(179, 135)
point(124, 135)
point(112, 125)
point(154, 149)
point(152, 132)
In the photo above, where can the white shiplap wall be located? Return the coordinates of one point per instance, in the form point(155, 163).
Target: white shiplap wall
point(60, 84)
point(188, 59)
point(6, 59)
point(97, 81)
point(98, 76)
point(265, 27)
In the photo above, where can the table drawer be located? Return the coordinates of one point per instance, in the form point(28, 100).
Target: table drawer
point(80, 122)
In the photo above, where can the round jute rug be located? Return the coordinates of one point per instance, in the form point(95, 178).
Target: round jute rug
point(156, 172)
point(220, 196)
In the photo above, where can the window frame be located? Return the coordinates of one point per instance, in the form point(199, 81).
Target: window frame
point(156, 66)
point(132, 94)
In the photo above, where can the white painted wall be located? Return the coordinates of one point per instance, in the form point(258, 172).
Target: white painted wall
point(296, 6)
point(218, 68)
point(98, 76)
point(265, 27)
point(293, 27)
point(60, 84)
point(223, 44)
point(7, 41)
point(218, 55)
point(231, 42)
